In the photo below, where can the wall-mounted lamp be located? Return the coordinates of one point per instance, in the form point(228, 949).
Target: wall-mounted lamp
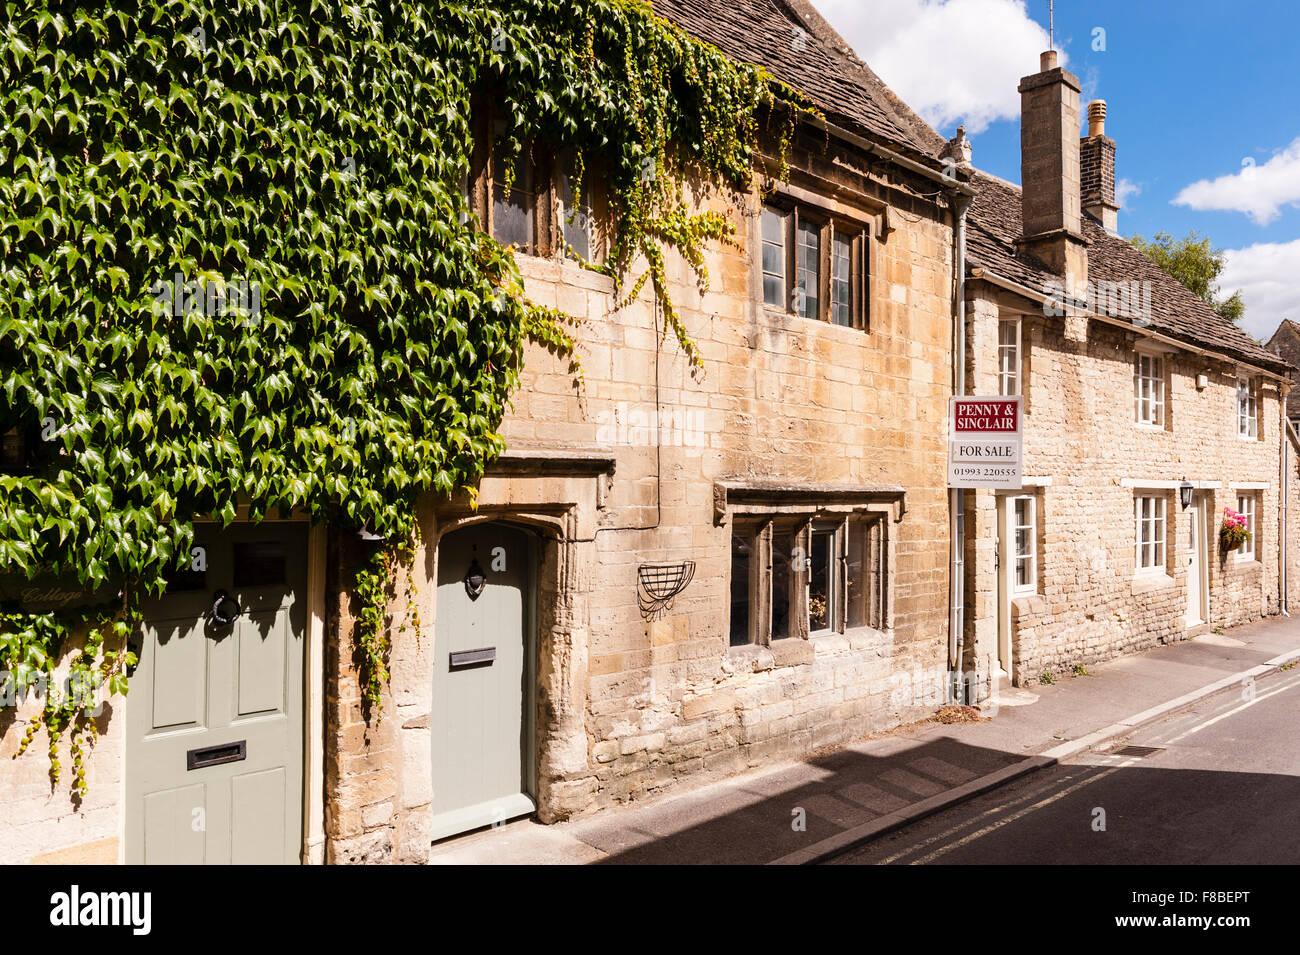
point(1185, 494)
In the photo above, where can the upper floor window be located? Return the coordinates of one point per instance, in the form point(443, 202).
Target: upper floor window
point(514, 208)
point(1150, 513)
point(1247, 419)
point(814, 265)
point(1149, 389)
point(530, 200)
point(1009, 356)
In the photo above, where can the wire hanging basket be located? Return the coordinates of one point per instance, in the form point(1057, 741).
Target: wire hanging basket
point(660, 583)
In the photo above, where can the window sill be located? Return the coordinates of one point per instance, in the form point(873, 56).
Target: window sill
point(787, 318)
point(1247, 565)
point(1148, 426)
point(1147, 581)
point(552, 269)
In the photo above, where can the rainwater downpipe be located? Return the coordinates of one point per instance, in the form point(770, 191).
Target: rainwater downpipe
point(957, 532)
point(1283, 511)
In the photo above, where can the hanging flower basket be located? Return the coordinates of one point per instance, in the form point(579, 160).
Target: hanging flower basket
point(1233, 533)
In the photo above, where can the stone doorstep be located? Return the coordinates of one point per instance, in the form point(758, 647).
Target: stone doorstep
point(860, 835)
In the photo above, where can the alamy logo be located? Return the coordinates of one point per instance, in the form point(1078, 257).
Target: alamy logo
point(211, 298)
point(131, 909)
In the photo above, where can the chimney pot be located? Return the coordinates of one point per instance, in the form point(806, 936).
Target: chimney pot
point(1097, 118)
point(1047, 61)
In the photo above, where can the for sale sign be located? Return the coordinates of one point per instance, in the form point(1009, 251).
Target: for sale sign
point(984, 442)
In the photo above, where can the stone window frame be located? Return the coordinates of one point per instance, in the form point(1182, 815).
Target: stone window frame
point(1248, 408)
point(864, 527)
point(546, 169)
point(1157, 378)
point(1158, 566)
point(830, 224)
point(1016, 351)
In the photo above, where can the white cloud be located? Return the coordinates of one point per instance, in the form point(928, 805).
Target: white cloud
point(953, 61)
point(1265, 273)
point(1258, 191)
point(1125, 190)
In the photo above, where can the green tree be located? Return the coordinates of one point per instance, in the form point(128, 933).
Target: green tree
point(1197, 264)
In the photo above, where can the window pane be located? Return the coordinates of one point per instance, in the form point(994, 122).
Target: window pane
point(773, 258)
point(772, 291)
point(773, 226)
point(808, 270)
point(782, 555)
point(820, 580)
point(512, 210)
point(575, 220)
point(742, 547)
point(842, 280)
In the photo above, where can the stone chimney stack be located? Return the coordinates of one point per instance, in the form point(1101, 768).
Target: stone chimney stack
point(1097, 170)
point(1051, 223)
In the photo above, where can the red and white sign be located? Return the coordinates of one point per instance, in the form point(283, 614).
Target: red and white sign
point(984, 442)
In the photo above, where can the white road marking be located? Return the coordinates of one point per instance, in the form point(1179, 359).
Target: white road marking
point(980, 833)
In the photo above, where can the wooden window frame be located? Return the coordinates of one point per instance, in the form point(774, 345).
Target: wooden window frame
point(548, 239)
point(829, 224)
point(1030, 556)
point(869, 529)
point(1155, 379)
point(1016, 351)
point(1247, 418)
point(1158, 545)
point(1248, 505)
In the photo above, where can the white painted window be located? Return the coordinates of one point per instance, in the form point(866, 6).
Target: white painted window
point(1247, 420)
point(1150, 512)
point(1024, 538)
point(773, 257)
point(1246, 508)
point(1149, 389)
point(1009, 356)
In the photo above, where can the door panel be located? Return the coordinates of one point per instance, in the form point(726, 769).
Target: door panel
point(482, 703)
point(202, 690)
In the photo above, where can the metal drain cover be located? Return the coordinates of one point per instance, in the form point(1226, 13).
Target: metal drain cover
point(1138, 751)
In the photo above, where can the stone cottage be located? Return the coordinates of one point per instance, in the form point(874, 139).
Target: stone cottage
point(668, 576)
point(673, 576)
point(1146, 415)
point(1286, 344)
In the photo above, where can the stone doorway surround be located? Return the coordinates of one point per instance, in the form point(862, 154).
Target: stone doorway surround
point(378, 780)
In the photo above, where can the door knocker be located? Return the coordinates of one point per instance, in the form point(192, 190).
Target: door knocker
point(225, 609)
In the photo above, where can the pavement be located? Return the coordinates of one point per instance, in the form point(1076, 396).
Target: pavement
point(834, 804)
point(1215, 783)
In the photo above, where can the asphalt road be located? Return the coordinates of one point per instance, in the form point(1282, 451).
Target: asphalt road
point(1220, 785)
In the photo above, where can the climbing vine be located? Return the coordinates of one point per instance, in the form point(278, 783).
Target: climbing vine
point(237, 266)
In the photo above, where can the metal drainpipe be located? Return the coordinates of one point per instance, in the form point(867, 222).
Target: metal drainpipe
point(1282, 511)
point(957, 531)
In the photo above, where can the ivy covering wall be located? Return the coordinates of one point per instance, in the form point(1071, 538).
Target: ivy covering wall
point(237, 267)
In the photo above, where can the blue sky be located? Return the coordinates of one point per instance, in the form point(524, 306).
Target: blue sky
point(1203, 101)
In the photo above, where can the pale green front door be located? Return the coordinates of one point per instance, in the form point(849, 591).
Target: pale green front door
point(215, 711)
point(481, 720)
